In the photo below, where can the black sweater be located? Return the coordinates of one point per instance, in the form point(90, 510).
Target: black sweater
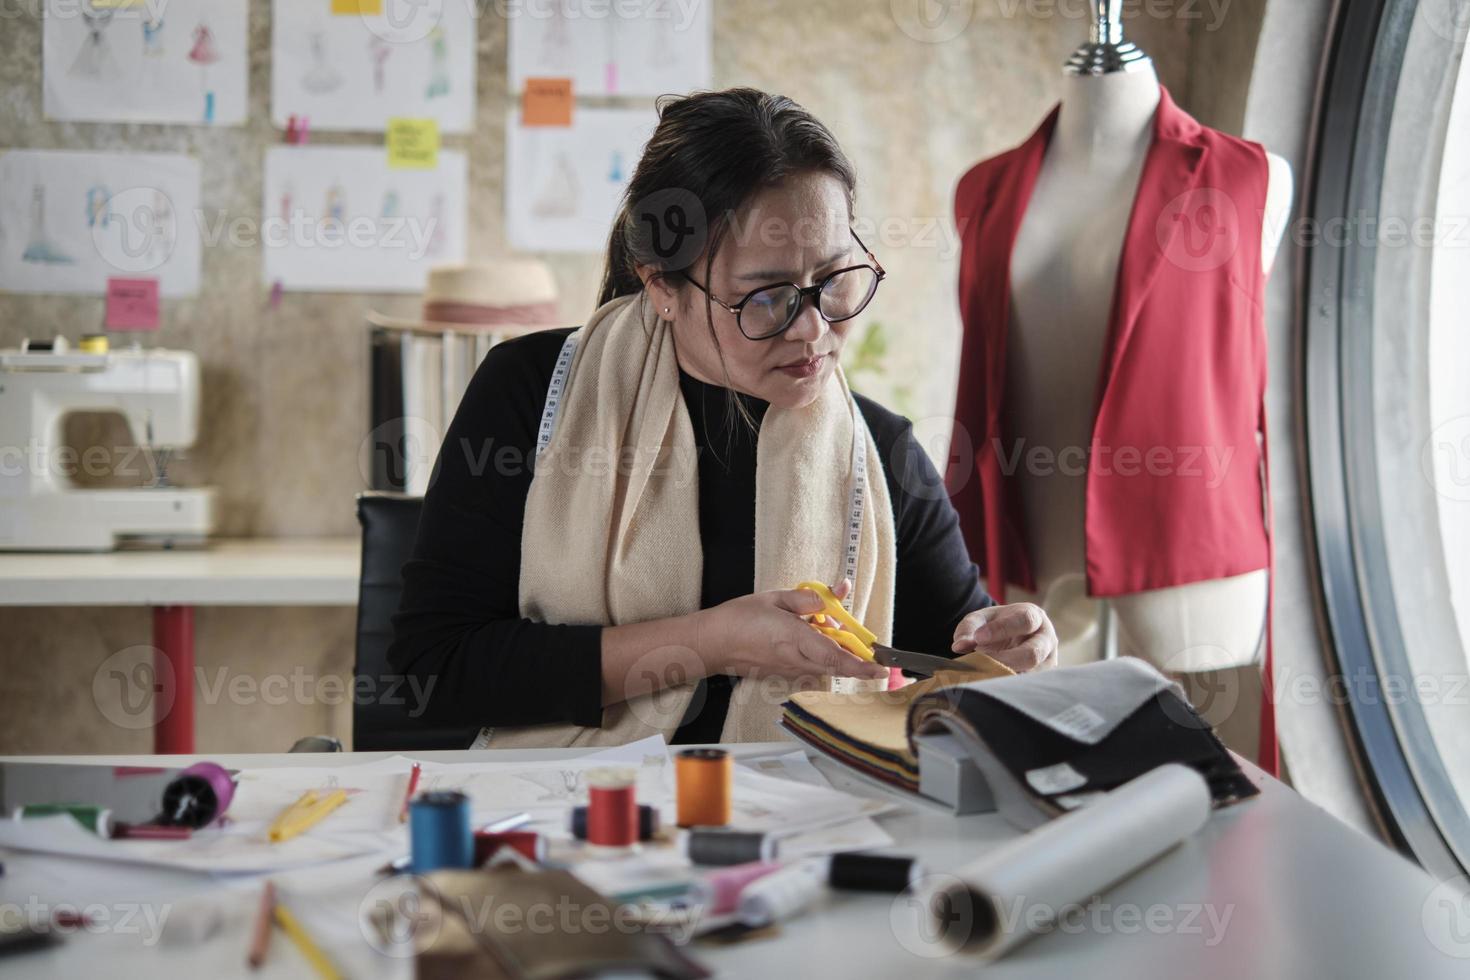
point(460, 619)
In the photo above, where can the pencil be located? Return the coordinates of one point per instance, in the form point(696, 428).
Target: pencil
point(413, 785)
point(306, 944)
point(260, 940)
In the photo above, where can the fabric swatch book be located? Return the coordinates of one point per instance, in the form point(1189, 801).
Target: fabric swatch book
point(1044, 742)
point(870, 731)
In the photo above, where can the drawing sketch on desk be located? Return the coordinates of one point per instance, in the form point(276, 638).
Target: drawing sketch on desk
point(544, 790)
point(777, 793)
point(367, 823)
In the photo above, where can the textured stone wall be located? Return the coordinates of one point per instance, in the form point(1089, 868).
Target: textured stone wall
point(285, 390)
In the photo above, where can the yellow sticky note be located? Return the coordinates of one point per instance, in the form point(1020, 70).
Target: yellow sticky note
point(413, 144)
point(357, 6)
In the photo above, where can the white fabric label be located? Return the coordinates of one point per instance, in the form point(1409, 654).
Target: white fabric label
point(1055, 779)
point(1073, 801)
point(1078, 721)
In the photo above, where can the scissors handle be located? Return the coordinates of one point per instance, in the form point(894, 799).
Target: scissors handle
point(847, 641)
point(855, 639)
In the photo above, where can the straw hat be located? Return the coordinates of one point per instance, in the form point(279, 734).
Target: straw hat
point(505, 295)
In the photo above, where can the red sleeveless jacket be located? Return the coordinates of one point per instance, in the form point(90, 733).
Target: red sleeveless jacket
point(1183, 371)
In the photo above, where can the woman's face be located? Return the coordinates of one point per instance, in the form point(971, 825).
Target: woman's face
point(797, 231)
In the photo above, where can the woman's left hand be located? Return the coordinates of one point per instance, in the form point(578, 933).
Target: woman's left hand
point(1019, 635)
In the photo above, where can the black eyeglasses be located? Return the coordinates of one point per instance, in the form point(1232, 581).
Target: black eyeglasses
point(767, 311)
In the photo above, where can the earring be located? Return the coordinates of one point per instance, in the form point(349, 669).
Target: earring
point(666, 311)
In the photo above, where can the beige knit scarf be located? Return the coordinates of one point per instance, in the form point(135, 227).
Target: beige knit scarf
point(611, 531)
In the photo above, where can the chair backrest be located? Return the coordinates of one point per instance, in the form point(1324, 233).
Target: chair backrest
point(382, 697)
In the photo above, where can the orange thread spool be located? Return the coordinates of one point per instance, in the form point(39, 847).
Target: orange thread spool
point(704, 779)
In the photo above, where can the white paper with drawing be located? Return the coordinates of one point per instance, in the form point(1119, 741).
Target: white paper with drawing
point(563, 183)
point(71, 220)
point(366, 823)
point(768, 794)
point(164, 61)
point(651, 47)
point(357, 71)
point(338, 219)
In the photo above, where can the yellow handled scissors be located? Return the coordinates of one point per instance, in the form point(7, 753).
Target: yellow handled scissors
point(855, 638)
point(863, 643)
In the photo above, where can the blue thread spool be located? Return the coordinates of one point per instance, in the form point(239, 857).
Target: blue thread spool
point(439, 831)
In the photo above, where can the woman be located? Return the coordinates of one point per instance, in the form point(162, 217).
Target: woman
point(619, 514)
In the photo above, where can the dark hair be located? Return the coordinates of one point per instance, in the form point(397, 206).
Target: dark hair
point(710, 153)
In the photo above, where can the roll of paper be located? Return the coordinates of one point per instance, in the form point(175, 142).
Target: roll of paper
point(993, 905)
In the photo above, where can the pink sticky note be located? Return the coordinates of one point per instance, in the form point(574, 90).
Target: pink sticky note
point(132, 304)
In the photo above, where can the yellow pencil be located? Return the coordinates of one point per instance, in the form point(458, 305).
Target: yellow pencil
point(305, 813)
point(309, 948)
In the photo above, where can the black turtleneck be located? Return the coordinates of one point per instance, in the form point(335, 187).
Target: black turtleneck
point(460, 621)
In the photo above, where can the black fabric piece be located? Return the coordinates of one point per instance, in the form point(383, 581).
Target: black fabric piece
point(1164, 729)
point(459, 624)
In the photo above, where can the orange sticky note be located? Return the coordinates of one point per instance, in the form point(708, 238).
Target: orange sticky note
point(547, 102)
point(357, 6)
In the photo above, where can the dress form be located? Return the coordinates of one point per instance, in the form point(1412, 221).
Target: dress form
point(1063, 276)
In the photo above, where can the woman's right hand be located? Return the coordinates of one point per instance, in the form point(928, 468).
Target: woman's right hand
point(764, 634)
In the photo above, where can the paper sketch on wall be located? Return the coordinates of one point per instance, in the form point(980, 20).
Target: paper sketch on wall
point(558, 196)
point(71, 220)
point(153, 37)
point(345, 222)
point(563, 183)
point(321, 77)
point(438, 65)
point(413, 60)
point(94, 56)
point(378, 51)
point(39, 246)
point(204, 54)
point(180, 62)
point(649, 48)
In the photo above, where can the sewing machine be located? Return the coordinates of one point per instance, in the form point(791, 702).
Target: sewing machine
point(41, 509)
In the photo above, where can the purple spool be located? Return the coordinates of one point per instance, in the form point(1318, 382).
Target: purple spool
point(199, 796)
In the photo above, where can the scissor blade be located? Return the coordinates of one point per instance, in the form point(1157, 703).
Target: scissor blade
point(922, 664)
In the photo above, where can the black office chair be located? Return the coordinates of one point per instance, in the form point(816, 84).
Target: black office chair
point(383, 698)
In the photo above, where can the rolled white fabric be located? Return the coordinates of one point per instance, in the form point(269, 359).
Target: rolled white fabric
point(993, 905)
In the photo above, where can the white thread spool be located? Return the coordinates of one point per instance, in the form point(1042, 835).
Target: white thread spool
point(781, 895)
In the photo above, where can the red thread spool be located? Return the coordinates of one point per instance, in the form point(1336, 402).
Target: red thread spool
point(529, 843)
point(612, 808)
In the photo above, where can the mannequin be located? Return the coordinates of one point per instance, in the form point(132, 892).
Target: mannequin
point(1063, 273)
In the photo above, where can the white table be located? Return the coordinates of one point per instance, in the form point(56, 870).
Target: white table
point(1292, 892)
point(228, 572)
